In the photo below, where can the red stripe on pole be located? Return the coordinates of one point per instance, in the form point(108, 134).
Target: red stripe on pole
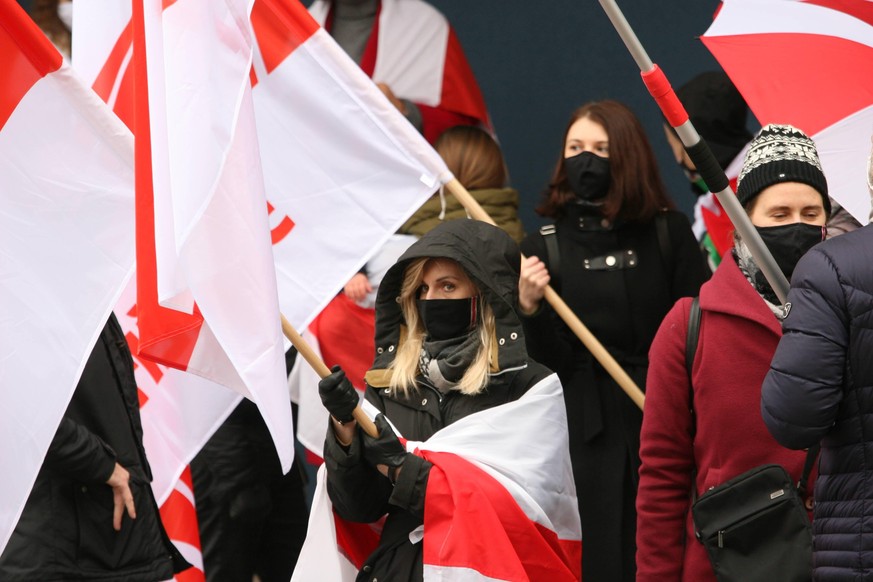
point(658, 85)
point(26, 56)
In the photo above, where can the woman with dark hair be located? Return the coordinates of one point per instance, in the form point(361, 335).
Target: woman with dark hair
point(620, 256)
point(475, 159)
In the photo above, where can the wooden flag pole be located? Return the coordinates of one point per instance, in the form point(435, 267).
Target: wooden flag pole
point(561, 308)
point(305, 350)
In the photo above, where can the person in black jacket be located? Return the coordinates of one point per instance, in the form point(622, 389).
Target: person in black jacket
point(620, 257)
point(91, 514)
point(448, 343)
point(820, 389)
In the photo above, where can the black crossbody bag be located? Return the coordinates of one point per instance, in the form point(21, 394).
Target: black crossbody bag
point(755, 526)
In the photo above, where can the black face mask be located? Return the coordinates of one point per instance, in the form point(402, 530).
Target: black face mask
point(588, 175)
point(787, 243)
point(448, 318)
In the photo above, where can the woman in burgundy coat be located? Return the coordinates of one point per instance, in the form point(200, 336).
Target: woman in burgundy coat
point(784, 192)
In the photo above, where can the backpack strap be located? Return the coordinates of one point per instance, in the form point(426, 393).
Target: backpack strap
point(691, 340)
point(549, 233)
point(692, 336)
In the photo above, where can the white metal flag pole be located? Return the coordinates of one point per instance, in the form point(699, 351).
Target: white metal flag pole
point(698, 150)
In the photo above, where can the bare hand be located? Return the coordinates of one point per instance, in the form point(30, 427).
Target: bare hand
point(358, 287)
point(122, 496)
point(386, 90)
point(532, 284)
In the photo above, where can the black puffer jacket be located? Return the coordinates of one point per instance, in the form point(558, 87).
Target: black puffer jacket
point(358, 491)
point(820, 388)
point(65, 532)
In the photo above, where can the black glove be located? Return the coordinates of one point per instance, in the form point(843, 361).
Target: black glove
point(385, 450)
point(338, 395)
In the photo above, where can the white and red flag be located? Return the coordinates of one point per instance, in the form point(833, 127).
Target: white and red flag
point(343, 169)
point(504, 472)
point(206, 289)
point(808, 63)
point(66, 243)
point(413, 49)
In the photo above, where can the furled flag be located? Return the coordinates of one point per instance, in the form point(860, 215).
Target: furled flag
point(337, 158)
point(413, 50)
point(505, 471)
point(343, 169)
point(66, 243)
point(206, 288)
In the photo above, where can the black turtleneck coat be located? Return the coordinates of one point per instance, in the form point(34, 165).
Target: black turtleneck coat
point(621, 281)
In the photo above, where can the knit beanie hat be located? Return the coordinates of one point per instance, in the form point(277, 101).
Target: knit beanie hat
point(781, 153)
point(718, 112)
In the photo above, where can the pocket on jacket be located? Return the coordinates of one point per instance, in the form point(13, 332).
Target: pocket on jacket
point(100, 546)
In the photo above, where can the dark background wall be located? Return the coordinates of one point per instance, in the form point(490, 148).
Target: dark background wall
point(537, 61)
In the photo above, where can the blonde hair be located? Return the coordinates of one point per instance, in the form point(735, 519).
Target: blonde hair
point(404, 369)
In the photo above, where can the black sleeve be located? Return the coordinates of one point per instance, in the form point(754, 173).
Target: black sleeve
point(411, 485)
point(357, 490)
point(79, 454)
point(689, 265)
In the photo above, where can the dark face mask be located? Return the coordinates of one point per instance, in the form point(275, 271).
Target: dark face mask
point(448, 318)
point(787, 243)
point(588, 175)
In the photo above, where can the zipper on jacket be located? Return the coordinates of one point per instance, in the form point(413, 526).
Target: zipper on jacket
point(721, 538)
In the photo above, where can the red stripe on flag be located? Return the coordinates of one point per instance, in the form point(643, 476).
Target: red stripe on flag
point(825, 68)
point(27, 56)
point(462, 502)
point(859, 9)
point(280, 27)
point(112, 68)
point(357, 540)
point(179, 517)
point(167, 336)
point(460, 91)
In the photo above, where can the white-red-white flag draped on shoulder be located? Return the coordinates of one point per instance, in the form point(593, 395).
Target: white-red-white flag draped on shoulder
point(66, 243)
point(414, 50)
point(505, 471)
point(206, 289)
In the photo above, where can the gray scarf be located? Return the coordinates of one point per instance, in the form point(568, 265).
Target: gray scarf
point(752, 273)
point(443, 362)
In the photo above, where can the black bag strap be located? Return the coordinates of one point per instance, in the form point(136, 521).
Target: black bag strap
point(803, 484)
point(549, 233)
point(691, 340)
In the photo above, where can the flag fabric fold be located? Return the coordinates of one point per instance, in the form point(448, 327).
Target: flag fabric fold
point(339, 160)
point(66, 243)
point(207, 300)
point(505, 470)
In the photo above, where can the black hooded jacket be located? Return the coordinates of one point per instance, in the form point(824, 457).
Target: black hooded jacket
point(65, 531)
point(358, 491)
